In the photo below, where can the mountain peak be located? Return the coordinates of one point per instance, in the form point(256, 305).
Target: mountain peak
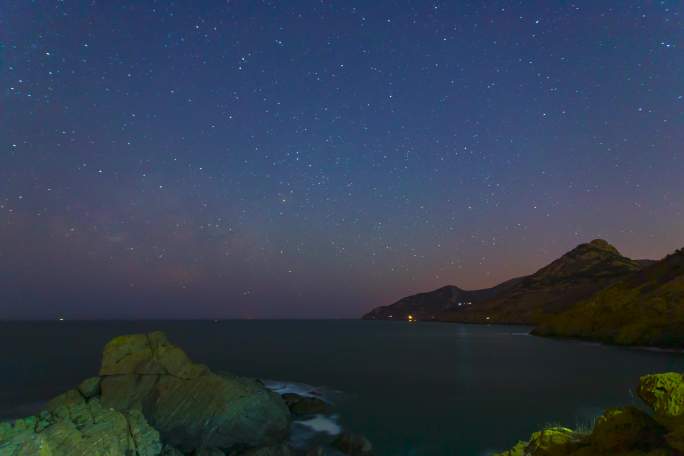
point(598, 247)
point(593, 259)
point(603, 245)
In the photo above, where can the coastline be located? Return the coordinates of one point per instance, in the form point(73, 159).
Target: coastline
point(598, 341)
point(477, 355)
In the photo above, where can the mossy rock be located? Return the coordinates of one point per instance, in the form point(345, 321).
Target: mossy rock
point(72, 426)
point(555, 441)
point(623, 429)
point(147, 354)
point(664, 393)
point(190, 406)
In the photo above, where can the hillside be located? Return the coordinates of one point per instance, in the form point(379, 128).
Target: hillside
point(431, 305)
point(646, 308)
point(575, 276)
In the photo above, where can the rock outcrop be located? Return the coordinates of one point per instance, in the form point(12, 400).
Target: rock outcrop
point(189, 405)
point(624, 431)
point(664, 393)
point(148, 393)
point(78, 426)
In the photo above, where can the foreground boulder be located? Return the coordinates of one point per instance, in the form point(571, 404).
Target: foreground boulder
point(620, 430)
point(664, 393)
point(189, 405)
point(149, 393)
point(72, 425)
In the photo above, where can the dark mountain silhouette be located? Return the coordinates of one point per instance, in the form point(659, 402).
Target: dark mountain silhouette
point(431, 305)
point(575, 276)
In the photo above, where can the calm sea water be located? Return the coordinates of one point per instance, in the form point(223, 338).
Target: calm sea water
point(414, 389)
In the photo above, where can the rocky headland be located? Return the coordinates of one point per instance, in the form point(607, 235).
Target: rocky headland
point(592, 292)
point(526, 300)
point(150, 399)
point(643, 309)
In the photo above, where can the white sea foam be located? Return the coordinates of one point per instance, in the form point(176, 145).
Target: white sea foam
point(297, 388)
point(302, 389)
point(313, 430)
point(322, 424)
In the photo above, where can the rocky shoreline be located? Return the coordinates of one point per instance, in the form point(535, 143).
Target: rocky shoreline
point(626, 431)
point(150, 399)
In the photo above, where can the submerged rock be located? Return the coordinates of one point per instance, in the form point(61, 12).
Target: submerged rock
point(149, 392)
point(353, 445)
point(306, 405)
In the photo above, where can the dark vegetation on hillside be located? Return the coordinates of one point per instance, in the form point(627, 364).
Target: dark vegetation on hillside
point(646, 308)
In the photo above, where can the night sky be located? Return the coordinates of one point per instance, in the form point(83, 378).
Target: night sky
point(293, 158)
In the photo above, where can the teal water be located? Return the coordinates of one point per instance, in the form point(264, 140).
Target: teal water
point(414, 389)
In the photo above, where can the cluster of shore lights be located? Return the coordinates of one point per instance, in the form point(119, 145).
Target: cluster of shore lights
point(411, 319)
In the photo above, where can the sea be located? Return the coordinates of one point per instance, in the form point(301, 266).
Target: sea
point(413, 389)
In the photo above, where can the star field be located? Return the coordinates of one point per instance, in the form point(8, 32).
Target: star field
point(317, 158)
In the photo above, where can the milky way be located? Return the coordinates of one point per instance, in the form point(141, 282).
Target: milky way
point(318, 158)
